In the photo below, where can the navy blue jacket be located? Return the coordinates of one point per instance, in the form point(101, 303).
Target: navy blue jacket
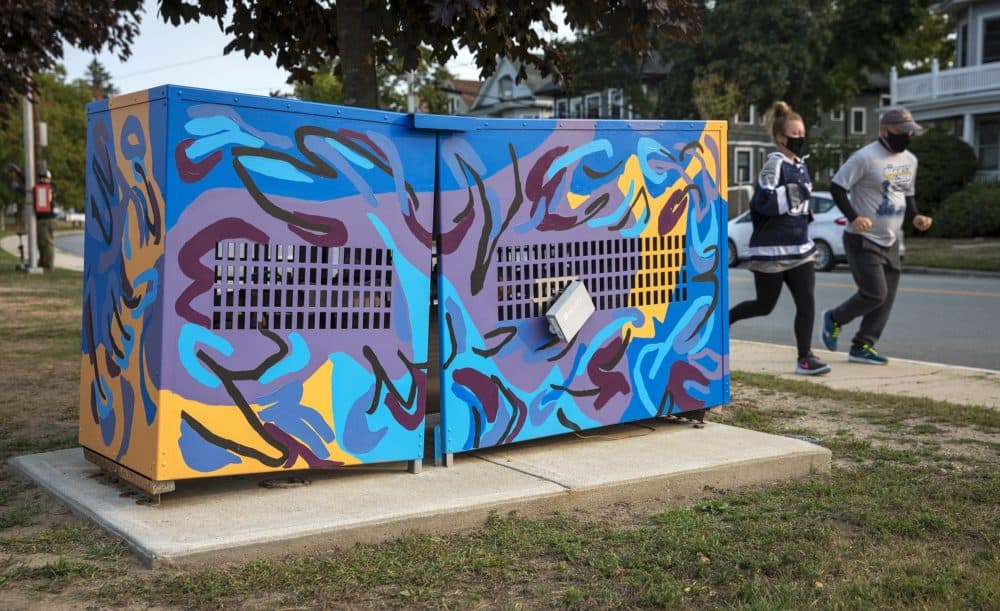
point(780, 212)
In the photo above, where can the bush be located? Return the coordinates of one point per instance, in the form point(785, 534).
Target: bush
point(946, 165)
point(974, 211)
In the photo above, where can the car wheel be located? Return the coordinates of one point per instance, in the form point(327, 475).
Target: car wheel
point(824, 257)
point(733, 258)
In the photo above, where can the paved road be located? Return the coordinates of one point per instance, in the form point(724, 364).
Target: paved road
point(938, 318)
point(70, 242)
point(941, 319)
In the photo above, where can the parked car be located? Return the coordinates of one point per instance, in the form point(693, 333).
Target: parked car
point(826, 231)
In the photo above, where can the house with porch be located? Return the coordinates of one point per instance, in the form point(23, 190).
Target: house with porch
point(965, 99)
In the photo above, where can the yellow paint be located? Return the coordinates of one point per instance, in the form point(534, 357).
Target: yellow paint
point(714, 170)
point(228, 421)
point(575, 200)
point(317, 393)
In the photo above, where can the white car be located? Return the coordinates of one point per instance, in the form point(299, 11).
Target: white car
point(826, 231)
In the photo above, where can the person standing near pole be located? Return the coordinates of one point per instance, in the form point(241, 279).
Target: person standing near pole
point(880, 178)
point(781, 252)
point(44, 201)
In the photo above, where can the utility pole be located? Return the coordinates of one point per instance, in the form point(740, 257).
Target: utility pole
point(29, 185)
point(411, 103)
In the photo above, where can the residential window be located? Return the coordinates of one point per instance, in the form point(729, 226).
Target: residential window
point(884, 100)
point(506, 87)
point(991, 40)
point(857, 121)
point(593, 106)
point(963, 46)
point(989, 146)
point(616, 102)
point(743, 165)
point(562, 109)
point(575, 106)
point(837, 115)
point(745, 119)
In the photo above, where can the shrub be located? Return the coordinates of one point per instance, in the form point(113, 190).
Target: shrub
point(946, 165)
point(974, 211)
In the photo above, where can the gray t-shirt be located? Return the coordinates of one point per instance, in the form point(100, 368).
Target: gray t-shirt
point(879, 182)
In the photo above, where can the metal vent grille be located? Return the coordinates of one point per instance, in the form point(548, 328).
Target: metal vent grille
point(300, 287)
point(617, 273)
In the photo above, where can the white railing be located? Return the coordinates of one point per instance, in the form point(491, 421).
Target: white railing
point(944, 83)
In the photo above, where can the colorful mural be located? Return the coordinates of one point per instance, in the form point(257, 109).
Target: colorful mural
point(257, 284)
point(634, 210)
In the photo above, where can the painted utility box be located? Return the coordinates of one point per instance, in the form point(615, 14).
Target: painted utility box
point(256, 285)
point(635, 211)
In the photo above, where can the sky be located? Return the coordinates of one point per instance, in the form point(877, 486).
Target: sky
point(191, 55)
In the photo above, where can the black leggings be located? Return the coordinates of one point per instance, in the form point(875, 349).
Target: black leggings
point(801, 281)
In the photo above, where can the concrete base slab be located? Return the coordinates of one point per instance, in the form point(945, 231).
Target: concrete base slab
point(236, 519)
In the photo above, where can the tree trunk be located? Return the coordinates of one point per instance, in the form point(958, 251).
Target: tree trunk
point(357, 54)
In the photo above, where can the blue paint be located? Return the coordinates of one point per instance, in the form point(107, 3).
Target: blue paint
point(151, 278)
point(275, 168)
point(284, 408)
point(187, 343)
point(611, 218)
point(214, 133)
point(296, 360)
point(569, 157)
point(415, 288)
point(350, 155)
point(202, 455)
point(148, 404)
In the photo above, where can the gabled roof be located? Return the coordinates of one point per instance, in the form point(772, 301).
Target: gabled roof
point(466, 89)
point(528, 88)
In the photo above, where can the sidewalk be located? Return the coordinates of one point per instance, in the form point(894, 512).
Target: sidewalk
point(961, 385)
point(61, 260)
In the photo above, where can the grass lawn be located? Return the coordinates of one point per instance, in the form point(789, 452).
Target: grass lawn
point(981, 254)
point(909, 516)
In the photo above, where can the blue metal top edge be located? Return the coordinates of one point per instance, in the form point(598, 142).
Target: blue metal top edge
point(468, 124)
point(210, 96)
point(137, 97)
point(449, 123)
point(445, 123)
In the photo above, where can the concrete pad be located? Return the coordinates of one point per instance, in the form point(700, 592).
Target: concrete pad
point(236, 519)
point(667, 460)
point(954, 384)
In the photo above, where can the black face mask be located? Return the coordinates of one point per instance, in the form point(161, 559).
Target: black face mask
point(897, 142)
point(795, 145)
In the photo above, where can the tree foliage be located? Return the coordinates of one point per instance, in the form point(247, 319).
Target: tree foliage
point(813, 54)
point(946, 165)
point(62, 106)
point(715, 97)
point(99, 80)
point(598, 62)
point(303, 34)
point(969, 213)
point(428, 85)
point(35, 32)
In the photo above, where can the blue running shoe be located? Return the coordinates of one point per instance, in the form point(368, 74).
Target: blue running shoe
point(811, 366)
point(831, 331)
point(866, 354)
